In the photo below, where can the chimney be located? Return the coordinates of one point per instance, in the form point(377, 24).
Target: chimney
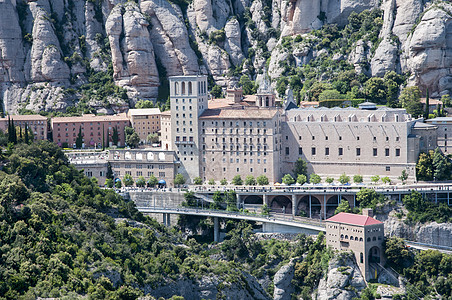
point(368, 212)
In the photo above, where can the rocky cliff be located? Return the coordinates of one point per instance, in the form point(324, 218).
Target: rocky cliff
point(49, 49)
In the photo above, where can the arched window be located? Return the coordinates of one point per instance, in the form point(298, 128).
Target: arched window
point(183, 88)
point(374, 238)
point(368, 239)
point(351, 238)
point(346, 237)
point(361, 239)
point(150, 156)
point(356, 238)
point(342, 236)
point(190, 89)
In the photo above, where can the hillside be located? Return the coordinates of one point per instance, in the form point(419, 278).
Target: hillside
point(105, 54)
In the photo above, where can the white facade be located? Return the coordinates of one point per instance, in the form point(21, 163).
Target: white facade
point(188, 97)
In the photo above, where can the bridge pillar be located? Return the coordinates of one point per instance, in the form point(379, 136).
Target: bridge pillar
point(294, 205)
point(216, 230)
point(265, 200)
point(166, 219)
point(239, 202)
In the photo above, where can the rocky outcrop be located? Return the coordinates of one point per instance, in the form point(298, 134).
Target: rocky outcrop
point(132, 52)
point(232, 44)
point(342, 280)
point(169, 37)
point(283, 282)
point(210, 287)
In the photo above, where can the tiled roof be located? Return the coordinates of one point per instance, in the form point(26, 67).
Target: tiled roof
point(26, 117)
point(353, 219)
point(241, 112)
point(143, 111)
point(91, 118)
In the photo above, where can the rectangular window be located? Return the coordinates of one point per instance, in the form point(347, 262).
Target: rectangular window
point(358, 151)
point(341, 151)
point(313, 150)
point(327, 151)
point(300, 151)
point(287, 150)
point(313, 137)
point(375, 152)
point(387, 152)
point(388, 168)
point(397, 152)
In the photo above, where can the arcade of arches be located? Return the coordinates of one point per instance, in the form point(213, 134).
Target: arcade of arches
point(314, 206)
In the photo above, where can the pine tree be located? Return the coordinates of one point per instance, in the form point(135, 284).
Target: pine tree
point(10, 131)
point(13, 132)
point(103, 137)
point(115, 136)
point(26, 134)
point(79, 140)
point(20, 134)
point(427, 105)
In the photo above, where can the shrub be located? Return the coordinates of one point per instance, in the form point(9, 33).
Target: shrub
point(358, 179)
point(315, 179)
point(262, 180)
point(288, 179)
point(301, 179)
point(329, 180)
point(344, 179)
point(237, 180)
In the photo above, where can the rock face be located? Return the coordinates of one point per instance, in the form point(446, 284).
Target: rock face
point(133, 56)
point(282, 281)
point(54, 44)
point(211, 288)
point(344, 277)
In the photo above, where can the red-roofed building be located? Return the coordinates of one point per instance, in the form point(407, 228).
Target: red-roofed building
point(361, 234)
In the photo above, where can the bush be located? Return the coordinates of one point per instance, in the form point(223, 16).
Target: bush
point(237, 180)
point(197, 181)
point(250, 180)
point(375, 178)
point(223, 181)
point(211, 182)
point(315, 179)
point(301, 179)
point(329, 180)
point(288, 179)
point(262, 180)
point(344, 179)
point(358, 179)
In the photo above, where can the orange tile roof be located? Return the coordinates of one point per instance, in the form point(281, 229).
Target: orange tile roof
point(240, 112)
point(26, 118)
point(354, 219)
point(91, 118)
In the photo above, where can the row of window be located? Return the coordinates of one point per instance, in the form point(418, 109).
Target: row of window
point(360, 239)
point(140, 173)
point(340, 151)
point(340, 138)
point(258, 153)
point(238, 170)
point(91, 123)
point(237, 123)
point(129, 166)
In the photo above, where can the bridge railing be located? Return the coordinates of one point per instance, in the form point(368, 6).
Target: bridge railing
point(274, 217)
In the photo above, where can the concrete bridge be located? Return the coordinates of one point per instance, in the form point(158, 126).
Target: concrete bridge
point(273, 223)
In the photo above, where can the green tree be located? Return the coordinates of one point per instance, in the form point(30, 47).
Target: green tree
point(368, 198)
point(262, 180)
point(152, 181)
point(152, 138)
point(300, 167)
point(128, 180)
point(250, 180)
point(427, 105)
point(216, 92)
point(223, 181)
point(386, 180)
point(27, 140)
point(109, 173)
point(133, 140)
point(424, 167)
point(115, 136)
point(144, 104)
point(265, 210)
point(197, 181)
point(331, 95)
point(217, 200)
point(301, 179)
point(344, 179)
point(447, 101)
point(190, 199)
point(404, 176)
point(344, 206)
point(249, 87)
point(375, 178)
point(231, 200)
point(329, 180)
point(315, 179)
point(211, 182)
point(375, 90)
point(358, 179)
point(141, 182)
point(441, 166)
point(397, 253)
point(414, 202)
point(79, 139)
point(118, 183)
point(237, 180)
point(288, 179)
point(410, 99)
point(109, 183)
point(179, 179)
